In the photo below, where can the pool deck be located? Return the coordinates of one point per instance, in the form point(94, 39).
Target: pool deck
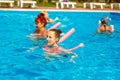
point(66, 9)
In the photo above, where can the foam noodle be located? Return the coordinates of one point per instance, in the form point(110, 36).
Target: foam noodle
point(80, 45)
point(66, 35)
point(55, 26)
point(112, 28)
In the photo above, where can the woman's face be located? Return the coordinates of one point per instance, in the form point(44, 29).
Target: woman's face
point(39, 25)
point(51, 38)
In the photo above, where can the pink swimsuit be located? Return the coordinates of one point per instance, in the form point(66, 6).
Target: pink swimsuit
point(54, 50)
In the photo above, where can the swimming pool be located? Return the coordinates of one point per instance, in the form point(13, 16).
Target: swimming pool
point(98, 60)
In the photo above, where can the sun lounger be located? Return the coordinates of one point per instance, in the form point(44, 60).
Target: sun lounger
point(85, 4)
point(94, 4)
point(62, 4)
point(11, 2)
point(114, 4)
point(22, 2)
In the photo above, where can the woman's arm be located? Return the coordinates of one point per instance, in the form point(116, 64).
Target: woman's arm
point(74, 55)
point(52, 20)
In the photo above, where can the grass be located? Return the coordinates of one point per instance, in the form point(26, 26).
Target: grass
point(46, 4)
point(52, 4)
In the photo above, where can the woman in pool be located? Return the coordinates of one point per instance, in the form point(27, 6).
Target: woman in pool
point(46, 15)
point(104, 28)
point(52, 47)
point(41, 22)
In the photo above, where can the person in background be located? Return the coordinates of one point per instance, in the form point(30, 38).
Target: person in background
point(103, 26)
point(41, 22)
point(49, 20)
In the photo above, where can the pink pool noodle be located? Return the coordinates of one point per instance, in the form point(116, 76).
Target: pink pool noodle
point(66, 35)
point(76, 47)
point(55, 26)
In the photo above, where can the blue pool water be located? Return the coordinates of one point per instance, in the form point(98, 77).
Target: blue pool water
point(98, 60)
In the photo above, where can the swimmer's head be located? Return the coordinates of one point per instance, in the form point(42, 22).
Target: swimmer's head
point(45, 14)
point(105, 19)
point(103, 22)
point(53, 36)
point(41, 19)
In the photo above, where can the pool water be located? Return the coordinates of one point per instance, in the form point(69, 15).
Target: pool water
point(98, 60)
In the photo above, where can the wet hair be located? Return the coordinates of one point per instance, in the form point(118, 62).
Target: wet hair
point(57, 32)
point(104, 22)
point(105, 27)
point(41, 18)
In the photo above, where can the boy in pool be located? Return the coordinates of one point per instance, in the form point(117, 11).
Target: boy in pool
point(52, 47)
